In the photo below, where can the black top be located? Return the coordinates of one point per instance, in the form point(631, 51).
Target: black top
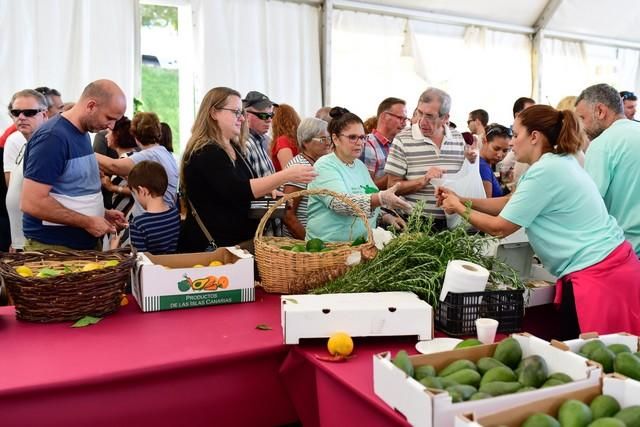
point(221, 194)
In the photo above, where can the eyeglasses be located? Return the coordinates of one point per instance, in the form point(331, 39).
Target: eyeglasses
point(499, 131)
point(397, 116)
point(430, 117)
point(323, 140)
point(355, 138)
point(626, 95)
point(27, 113)
point(237, 113)
point(262, 116)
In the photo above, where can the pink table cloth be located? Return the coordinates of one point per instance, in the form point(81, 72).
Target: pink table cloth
point(201, 366)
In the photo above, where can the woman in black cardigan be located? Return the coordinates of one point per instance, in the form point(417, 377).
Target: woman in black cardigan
point(216, 178)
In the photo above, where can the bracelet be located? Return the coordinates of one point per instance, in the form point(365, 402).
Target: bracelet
point(467, 210)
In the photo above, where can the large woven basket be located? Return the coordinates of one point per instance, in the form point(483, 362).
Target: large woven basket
point(70, 296)
point(284, 271)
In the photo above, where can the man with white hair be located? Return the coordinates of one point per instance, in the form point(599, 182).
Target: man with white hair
point(613, 156)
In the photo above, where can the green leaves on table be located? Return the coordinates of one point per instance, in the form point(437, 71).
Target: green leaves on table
point(86, 321)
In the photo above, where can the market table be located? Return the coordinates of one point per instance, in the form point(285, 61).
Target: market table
point(201, 366)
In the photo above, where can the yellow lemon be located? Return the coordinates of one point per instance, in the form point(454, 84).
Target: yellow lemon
point(111, 263)
point(340, 344)
point(198, 266)
point(215, 263)
point(24, 271)
point(91, 266)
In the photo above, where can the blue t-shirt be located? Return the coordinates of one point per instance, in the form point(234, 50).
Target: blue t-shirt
point(156, 232)
point(563, 214)
point(487, 175)
point(323, 222)
point(61, 156)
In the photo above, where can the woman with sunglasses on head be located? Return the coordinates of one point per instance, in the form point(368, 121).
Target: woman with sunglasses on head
point(567, 223)
point(329, 218)
point(284, 127)
point(217, 181)
point(494, 149)
point(313, 142)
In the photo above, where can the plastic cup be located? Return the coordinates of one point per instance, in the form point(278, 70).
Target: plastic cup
point(486, 330)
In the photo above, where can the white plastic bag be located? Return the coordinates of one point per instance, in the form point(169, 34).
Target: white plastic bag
point(465, 183)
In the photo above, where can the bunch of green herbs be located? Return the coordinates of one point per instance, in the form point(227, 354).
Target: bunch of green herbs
point(416, 261)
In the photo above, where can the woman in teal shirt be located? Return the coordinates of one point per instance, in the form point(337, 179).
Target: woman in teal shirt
point(567, 223)
point(329, 218)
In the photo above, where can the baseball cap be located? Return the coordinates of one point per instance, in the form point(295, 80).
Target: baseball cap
point(257, 100)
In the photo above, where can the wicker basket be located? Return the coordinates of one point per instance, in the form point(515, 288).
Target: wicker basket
point(284, 271)
point(67, 297)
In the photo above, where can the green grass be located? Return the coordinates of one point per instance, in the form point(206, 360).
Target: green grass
point(160, 95)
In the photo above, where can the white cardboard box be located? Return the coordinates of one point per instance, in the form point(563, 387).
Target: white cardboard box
point(625, 390)
point(166, 282)
point(358, 314)
point(545, 290)
point(629, 340)
point(424, 407)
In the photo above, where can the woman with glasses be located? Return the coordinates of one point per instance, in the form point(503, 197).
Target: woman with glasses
point(330, 219)
point(568, 226)
point(314, 142)
point(492, 152)
point(218, 182)
point(284, 126)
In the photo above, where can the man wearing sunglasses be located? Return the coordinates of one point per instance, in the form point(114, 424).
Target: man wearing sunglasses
point(259, 114)
point(391, 119)
point(28, 108)
point(613, 156)
point(427, 151)
point(61, 198)
point(629, 101)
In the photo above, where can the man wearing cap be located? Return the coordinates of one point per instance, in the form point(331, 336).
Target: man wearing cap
point(259, 109)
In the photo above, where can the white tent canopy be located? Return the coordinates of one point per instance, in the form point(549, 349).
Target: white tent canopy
point(310, 53)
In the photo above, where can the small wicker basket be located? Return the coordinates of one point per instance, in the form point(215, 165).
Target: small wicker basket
point(284, 271)
point(66, 297)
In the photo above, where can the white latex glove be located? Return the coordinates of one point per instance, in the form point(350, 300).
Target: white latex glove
point(389, 200)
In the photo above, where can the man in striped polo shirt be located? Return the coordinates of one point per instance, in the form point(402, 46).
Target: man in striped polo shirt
point(426, 151)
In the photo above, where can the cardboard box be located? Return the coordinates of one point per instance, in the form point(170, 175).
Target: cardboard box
point(625, 390)
point(425, 407)
point(358, 314)
point(166, 282)
point(541, 288)
point(629, 340)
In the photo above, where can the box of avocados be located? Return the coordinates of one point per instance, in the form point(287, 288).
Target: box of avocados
point(481, 379)
point(167, 282)
point(615, 352)
point(622, 403)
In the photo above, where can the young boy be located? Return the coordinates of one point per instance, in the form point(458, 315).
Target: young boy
point(157, 229)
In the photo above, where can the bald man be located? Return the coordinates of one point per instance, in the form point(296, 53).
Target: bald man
point(61, 197)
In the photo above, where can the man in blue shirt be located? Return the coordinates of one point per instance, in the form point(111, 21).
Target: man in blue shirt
point(61, 197)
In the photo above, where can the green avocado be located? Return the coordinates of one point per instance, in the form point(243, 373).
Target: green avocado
point(484, 364)
point(403, 362)
point(458, 365)
point(499, 373)
point(590, 346)
point(541, 420)
point(574, 413)
point(465, 376)
point(509, 352)
point(534, 371)
point(630, 416)
point(628, 365)
point(604, 406)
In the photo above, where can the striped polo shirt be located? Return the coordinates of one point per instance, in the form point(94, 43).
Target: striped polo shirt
point(411, 157)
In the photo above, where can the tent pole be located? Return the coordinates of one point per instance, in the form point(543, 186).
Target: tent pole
point(325, 49)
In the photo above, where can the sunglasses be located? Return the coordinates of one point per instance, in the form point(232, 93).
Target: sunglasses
point(499, 131)
point(27, 113)
point(262, 116)
point(355, 138)
point(628, 95)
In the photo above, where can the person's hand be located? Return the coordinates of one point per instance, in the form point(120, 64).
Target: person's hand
point(434, 172)
point(116, 218)
point(442, 193)
point(394, 221)
point(275, 194)
point(451, 204)
point(114, 243)
point(471, 151)
point(99, 226)
point(389, 200)
point(301, 173)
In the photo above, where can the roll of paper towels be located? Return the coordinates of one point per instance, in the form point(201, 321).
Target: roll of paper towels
point(464, 276)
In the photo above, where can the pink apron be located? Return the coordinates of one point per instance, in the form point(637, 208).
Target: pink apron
point(607, 294)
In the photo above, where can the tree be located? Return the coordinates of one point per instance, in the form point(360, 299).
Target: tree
point(159, 16)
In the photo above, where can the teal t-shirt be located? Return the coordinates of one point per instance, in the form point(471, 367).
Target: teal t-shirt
point(613, 161)
point(563, 215)
point(326, 224)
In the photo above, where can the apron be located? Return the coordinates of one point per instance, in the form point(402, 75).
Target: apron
point(607, 294)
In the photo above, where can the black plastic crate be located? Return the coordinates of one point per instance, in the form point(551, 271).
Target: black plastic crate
point(457, 314)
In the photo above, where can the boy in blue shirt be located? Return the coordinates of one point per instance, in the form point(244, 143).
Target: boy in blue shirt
point(157, 229)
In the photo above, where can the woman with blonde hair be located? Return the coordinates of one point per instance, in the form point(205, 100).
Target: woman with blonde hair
point(567, 223)
point(217, 181)
point(285, 142)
